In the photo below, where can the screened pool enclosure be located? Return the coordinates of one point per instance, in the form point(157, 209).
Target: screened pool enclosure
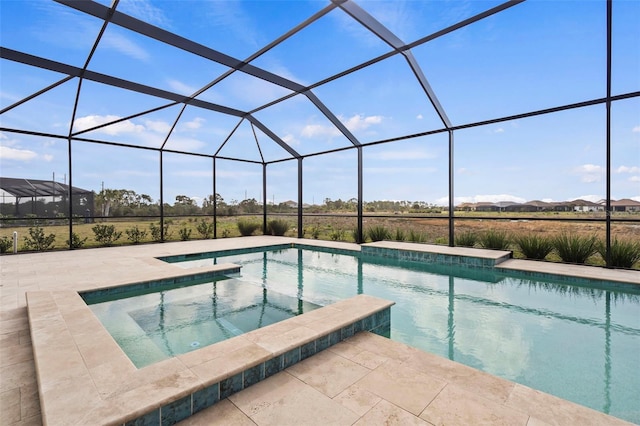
point(300, 103)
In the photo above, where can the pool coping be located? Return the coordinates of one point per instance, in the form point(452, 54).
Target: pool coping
point(85, 378)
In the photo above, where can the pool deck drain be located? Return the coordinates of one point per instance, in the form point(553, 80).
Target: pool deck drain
point(392, 380)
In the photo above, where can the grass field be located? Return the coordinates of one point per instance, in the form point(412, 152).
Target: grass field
point(433, 230)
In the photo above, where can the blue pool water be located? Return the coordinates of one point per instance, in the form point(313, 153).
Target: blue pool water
point(579, 343)
point(152, 325)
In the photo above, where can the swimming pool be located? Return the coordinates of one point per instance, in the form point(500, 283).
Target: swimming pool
point(577, 342)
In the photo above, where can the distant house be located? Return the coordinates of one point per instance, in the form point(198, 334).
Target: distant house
point(585, 206)
point(625, 205)
point(530, 206)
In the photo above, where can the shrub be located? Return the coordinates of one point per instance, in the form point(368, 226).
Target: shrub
point(76, 241)
point(624, 253)
point(277, 227)
point(184, 233)
point(37, 240)
point(492, 239)
point(315, 232)
point(400, 235)
point(378, 233)
point(443, 241)
point(417, 237)
point(156, 234)
point(204, 228)
point(466, 239)
point(5, 244)
point(355, 235)
point(135, 234)
point(534, 246)
point(226, 233)
point(575, 248)
point(247, 227)
point(106, 234)
point(337, 235)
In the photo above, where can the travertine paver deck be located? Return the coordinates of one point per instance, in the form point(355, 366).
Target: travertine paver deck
point(308, 392)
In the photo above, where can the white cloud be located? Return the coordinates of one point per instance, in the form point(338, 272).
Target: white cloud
point(290, 139)
point(180, 87)
point(625, 169)
point(419, 117)
point(144, 10)
point(48, 158)
point(493, 198)
point(499, 130)
point(317, 130)
point(360, 122)
point(158, 126)
point(591, 197)
point(122, 44)
point(634, 179)
point(194, 124)
point(184, 144)
point(589, 173)
point(8, 153)
point(91, 121)
point(354, 123)
point(636, 129)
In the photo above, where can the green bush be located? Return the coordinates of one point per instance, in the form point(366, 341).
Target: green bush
point(624, 253)
point(496, 240)
point(315, 232)
point(443, 241)
point(378, 233)
point(466, 239)
point(37, 240)
point(575, 248)
point(417, 237)
point(337, 235)
point(5, 244)
point(278, 227)
point(205, 229)
point(247, 227)
point(135, 234)
point(184, 233)
point(156, 234)
point(534, 246)
point(400, 235)
point(354, 235)
point(76, 241)
point(226, 233)
point(106, 235)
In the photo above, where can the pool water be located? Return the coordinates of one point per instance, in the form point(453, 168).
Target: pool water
point(578, 343)
point(150, 327)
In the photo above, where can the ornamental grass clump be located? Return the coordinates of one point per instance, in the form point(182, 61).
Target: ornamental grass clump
point(534, 246)
point(278, 227)
point(247, 227)
point(400, 235)
point(466, 239)
point(417, 237)
point(574, 248)
point(496, 240)
point(378, 233)
point(624, 253)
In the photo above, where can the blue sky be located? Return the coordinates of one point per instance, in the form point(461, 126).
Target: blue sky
point(535, 55)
